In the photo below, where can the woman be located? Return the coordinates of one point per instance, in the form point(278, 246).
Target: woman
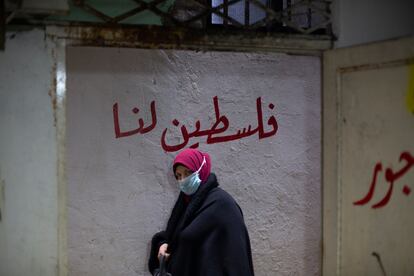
point(205, 234)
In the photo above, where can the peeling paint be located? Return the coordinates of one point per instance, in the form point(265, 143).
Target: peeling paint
point(52, 90)
point(410, 89)
point(155, 37)
point(373, 66)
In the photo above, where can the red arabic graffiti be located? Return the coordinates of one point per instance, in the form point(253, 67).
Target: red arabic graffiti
point(141, 129)
point(390, 177)
point(220, 125)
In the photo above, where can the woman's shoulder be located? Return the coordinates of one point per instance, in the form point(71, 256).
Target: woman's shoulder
point(220, 197)
point(217, 198)
point(223, 208)
point(219, 193)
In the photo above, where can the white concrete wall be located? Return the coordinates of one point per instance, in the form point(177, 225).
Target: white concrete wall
point(114, 184)
point(359, 22)
point(28, 162)
point(121, 191)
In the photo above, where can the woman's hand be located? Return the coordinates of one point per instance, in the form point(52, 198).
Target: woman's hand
point(163, 251)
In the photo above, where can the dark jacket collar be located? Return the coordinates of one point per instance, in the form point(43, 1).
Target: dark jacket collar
point(198, 198)
point(182, 214)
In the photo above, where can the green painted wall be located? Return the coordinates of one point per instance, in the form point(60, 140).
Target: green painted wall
point(113, 9)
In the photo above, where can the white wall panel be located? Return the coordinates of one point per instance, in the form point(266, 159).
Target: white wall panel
point(377, 152)
point(368, 164)
point(28, 157)
point(121, 191)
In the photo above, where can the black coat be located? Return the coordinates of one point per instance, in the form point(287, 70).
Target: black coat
point(206, 237)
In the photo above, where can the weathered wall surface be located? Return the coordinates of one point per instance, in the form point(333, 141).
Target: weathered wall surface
point(28, 158)
point(368, 159)
point(121, 190)
point(383, 138)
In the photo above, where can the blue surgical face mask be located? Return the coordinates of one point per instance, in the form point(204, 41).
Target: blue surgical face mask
point(190, 184)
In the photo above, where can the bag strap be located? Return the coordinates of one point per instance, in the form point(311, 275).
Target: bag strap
point(162, 266)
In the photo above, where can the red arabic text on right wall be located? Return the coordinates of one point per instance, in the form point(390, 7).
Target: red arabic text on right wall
point(390, 177)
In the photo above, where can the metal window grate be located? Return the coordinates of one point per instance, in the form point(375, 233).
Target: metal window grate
point(286, 16)
point(292, 26)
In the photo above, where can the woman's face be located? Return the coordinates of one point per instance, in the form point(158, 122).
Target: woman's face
point(182, 172)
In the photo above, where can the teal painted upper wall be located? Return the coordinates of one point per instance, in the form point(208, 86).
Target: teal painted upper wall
point(113, 9)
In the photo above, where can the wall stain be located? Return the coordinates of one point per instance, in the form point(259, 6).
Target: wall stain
point(52, 90)
point(410, 92)
point(377, 256)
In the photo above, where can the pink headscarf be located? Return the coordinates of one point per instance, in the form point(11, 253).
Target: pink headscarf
point(192, 159)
